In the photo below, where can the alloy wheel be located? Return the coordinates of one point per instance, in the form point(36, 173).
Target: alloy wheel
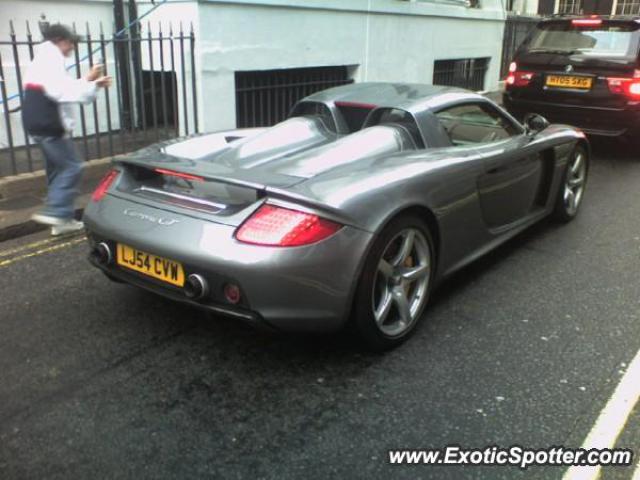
point(575, 183)
point(401, 282)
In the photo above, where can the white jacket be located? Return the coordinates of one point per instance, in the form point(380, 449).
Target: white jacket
point(48, 70)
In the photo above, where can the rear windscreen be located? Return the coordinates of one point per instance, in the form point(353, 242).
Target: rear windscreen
point(614, 39)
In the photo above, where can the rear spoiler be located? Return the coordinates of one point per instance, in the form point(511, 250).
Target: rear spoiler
point(242, 178)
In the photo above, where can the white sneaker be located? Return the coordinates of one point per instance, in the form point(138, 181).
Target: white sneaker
point(48, 219)
point(69, 226)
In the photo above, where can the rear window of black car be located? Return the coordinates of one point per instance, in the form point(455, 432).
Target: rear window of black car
point(614, 39)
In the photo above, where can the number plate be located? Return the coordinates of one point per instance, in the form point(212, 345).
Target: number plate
point(567, 81)
point(157, 267)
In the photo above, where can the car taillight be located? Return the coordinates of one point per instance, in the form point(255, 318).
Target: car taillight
point(283, 227)
point(629, 87)
point(519, 78)
point(586, 22)
point(103, 186)
point(173, 173)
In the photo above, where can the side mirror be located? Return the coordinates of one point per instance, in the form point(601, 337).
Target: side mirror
point(534, 123)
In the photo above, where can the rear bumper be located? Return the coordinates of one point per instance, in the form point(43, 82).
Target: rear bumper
point(595, 121)
point(303, 289)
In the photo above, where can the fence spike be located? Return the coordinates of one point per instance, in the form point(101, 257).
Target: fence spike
point(171, 29)
point(191, 27)
point(101, 29)
point(181, 31)
point(12, 30)
point(28, 28)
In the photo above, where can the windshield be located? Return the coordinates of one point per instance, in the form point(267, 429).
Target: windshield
point(605, 40)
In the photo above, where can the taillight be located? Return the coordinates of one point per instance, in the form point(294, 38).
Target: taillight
point(629, 87)
point(586, 22)
point(103, 186)
point(519, 78)
point(283, 227)
point(173, 173)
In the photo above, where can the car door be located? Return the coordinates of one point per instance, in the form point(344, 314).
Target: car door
point(511, 175)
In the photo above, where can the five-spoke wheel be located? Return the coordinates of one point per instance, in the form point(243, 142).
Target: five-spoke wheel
point(573, 185)
point(401, 281)
point(395, 283)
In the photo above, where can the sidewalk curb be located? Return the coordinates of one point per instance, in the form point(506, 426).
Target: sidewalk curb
point(34, 183)
point(27, 227)
point(18, 223)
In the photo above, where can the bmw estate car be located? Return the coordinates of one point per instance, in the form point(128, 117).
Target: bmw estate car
point(583, 71)
point(347, 213)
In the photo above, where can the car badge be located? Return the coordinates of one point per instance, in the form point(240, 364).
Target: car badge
point(150, 218)
point(568, 68)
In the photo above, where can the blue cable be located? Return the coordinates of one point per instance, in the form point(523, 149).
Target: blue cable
point(97, 49)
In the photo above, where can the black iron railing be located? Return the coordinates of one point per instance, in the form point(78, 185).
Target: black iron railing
point(154, 95)
point(466, 73)
point(265, 97)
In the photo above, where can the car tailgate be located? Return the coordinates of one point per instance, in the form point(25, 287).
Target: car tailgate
point(208, 191)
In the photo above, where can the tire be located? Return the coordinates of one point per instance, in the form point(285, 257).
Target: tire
point(572, 186)
point(391, 296)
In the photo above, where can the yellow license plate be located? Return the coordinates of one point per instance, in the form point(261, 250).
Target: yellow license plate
point(163, 269)
point(567, 81)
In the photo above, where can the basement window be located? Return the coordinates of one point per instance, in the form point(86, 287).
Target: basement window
point(466, 73)
point(265, 97)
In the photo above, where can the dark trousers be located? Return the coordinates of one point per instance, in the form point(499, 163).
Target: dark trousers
point(64, 170)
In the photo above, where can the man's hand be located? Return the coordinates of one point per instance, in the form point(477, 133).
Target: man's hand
point(104, 81)
point(95, 72)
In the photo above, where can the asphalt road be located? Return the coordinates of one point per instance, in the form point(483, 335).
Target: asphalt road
point(99, 380)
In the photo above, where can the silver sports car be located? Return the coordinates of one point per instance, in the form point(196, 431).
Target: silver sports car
point(345, 214)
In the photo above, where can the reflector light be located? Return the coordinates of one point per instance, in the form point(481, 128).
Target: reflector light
point(283, 227)
point(101, 190)
point(519, 79)
point(513, 66)
point(232, 293)
point(172, 173)
point(586, 22)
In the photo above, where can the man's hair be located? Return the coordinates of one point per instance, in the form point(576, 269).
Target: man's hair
point(57, 32)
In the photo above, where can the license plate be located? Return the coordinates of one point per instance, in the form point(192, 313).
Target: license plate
point(567, 81)
point(161, 268)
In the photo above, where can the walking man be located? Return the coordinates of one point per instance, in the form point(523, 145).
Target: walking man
point(47, 114)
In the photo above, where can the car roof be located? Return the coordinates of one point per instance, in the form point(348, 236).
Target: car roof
point(420, 100)
point(408, 96)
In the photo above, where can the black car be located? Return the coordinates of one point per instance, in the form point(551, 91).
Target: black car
point(582, 71)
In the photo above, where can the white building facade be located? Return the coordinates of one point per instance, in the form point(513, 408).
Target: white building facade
point(370, 40)
point(377, 40)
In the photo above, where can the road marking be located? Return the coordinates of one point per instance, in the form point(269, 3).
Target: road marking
point(611, 421)
point(29, 246)
point(51, 248)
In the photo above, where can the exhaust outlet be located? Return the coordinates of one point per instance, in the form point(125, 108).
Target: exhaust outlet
point(196, 287)
point(102, 254)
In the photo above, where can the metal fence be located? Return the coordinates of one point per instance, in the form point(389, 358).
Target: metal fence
point(516, 29)
point(466, 73)
point(264, 98)
point(154, 95)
